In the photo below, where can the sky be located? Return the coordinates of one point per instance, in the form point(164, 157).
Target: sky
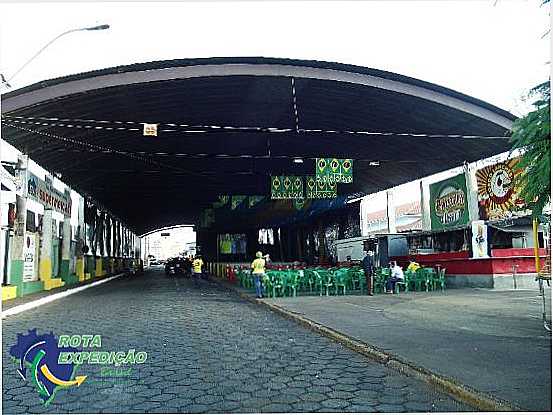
point(493, 50)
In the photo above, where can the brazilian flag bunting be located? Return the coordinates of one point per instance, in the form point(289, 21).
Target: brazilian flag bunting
point(320, 188)
point(286, 187)
point(336, 170)
point(236, 201)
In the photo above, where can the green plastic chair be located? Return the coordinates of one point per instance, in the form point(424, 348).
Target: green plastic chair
point(306, 280)
point(268, 283)
point(340, 280)
point(321, 281)
point(291, 283)
point(410, 277)
point(423, 277)
point(430, 278)
point(438, 280)
point(277, 284)
point(379, 280)
point(404, 284)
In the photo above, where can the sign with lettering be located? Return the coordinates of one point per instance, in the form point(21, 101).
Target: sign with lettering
point(448, 203)
point(498, 196)
point(479, 240)
point(45, 193)
point(29, 258)
point(150, 130)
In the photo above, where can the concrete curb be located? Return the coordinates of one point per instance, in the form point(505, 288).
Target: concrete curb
point(463, 393)
point(48, 299)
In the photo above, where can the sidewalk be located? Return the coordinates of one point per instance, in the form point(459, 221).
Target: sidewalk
point(491, 341)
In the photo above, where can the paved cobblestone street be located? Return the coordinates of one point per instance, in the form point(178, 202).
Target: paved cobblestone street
point(208, 352)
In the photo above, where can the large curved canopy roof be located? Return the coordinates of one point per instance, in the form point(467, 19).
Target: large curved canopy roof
point(227, 124)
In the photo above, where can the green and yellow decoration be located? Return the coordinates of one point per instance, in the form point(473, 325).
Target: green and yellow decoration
point(335, 170)
point(236, 201)
point(320, 188)
point(222, 200)
point(254, 200)
point(286, 187)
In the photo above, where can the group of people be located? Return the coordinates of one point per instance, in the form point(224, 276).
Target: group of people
point(396, 273)
point(189, 266)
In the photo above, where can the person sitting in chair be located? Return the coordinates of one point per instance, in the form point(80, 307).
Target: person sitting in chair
point(396, 276)
point(413, 265)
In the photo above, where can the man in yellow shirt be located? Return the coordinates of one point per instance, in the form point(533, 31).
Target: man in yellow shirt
point(197, 265)
point(413, 266)
point(258, 272)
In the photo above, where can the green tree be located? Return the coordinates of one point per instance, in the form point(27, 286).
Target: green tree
point(532, 135)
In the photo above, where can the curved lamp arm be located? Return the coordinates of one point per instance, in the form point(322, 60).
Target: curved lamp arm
point(100, 27)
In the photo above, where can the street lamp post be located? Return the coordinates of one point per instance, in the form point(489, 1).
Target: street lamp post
point(5, 81)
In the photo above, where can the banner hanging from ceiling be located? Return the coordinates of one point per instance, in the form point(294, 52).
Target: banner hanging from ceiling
point(335, 170)
point(254, 200)
point(320, 188)
point(286, 187)
point(207, 218)
point(223, 200)
point(236, 201)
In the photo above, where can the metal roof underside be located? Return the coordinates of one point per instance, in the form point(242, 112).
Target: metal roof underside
point(152, 182)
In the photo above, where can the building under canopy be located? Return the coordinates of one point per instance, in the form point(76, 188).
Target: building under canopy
point(224, 125)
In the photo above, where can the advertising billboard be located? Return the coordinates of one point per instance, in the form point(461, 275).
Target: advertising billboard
point(448, 203)
point(498, 197)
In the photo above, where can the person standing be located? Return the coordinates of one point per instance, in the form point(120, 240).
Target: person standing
point(368, 268)
point(197, 265)
point(258, 272)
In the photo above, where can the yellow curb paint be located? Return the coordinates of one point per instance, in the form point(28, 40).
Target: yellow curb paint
point(52, 283)
point(9, 292)
point(99, 272)
point(79, 268)
point(45, 269)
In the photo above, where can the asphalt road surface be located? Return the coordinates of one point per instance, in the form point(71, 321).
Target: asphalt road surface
point(208, 352)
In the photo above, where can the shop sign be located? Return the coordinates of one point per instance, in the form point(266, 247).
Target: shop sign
point(45, 193)
point(150, 130)
point(479, 239)
point(448, 203)
point(498, 197)
point(29, 256)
